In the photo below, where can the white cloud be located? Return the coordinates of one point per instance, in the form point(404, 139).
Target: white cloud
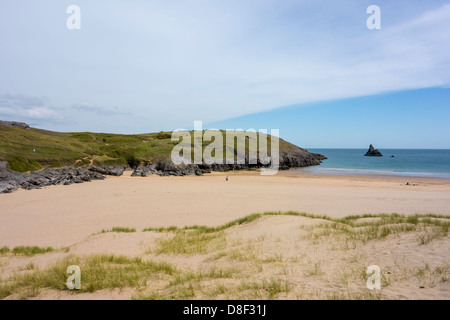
point(41, 113)
point(170, 62)
point(36, 113)
point(232, 69)
point(27, 107)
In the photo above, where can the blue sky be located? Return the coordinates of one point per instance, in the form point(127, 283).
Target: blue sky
point(297, 65)
point(406, 119)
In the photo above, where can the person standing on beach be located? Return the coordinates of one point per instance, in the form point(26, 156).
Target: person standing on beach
point(226, 179)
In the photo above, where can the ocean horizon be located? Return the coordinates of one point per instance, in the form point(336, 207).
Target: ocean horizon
point(433, 163)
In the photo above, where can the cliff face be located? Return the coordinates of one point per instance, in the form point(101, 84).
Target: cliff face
point(372, 152)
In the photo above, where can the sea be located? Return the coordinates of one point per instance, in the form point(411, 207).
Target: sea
point(432, 163)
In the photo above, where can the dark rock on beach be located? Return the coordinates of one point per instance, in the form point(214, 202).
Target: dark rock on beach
point(126, 154)
point(143, 171)
point(295, 157)
point(166, 167)
point(7, 187)
point(298, 157)
point(372, 152)
point(12, 180)
point(109, 171)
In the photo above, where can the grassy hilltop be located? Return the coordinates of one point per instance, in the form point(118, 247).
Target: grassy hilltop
point(34, 149)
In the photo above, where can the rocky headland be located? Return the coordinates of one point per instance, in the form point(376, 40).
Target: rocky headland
point(28, 157)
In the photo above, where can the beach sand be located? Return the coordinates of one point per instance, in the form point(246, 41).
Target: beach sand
point(63, 215)
point(71, 216)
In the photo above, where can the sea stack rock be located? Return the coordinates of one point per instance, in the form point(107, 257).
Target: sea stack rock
point(372, 152)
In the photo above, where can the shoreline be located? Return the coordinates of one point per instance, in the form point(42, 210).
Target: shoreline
point(296, 173)
point(367, 173)
point(393, 177)
point(69, 175)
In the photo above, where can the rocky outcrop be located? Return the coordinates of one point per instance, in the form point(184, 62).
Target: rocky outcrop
point(168, 168)
point(21, 125)
point(12, 180)
point(294, 157)
point(143, 171)
point(298, 157)
point(3, 165)
point(109, 171)
point(6, 187)
point(372, 152)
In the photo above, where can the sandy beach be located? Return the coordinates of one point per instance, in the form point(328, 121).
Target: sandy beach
point(70, 219)
point(63, 215)
point(104, 195)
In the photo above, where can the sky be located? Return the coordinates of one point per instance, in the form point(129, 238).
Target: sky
point(405, 119)
point(309, 68)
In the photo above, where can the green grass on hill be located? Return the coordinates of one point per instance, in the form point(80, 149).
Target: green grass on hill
point(34, 149)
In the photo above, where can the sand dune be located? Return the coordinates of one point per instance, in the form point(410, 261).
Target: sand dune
point(271, 257)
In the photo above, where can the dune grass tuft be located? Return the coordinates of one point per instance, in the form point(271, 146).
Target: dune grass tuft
point(191, 242)
point(5, 250)
point(97, 272)
point(376, 227)
point(25, 250)
point(356, 227)
point(30, 251)
point(120, 229)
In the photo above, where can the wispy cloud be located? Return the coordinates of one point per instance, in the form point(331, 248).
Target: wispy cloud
point(26, 107)
point(103, 111)
point(172, 62)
